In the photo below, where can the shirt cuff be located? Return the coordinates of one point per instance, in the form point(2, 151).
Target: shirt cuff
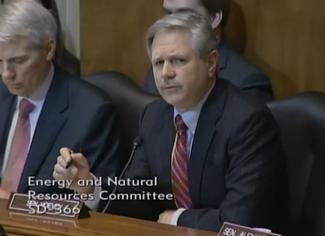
point(176, 215)
point(93, 204)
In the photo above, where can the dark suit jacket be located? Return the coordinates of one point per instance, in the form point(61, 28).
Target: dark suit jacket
point(236, 169)
point(312, 220)
point(235, 69)
point(75, 114)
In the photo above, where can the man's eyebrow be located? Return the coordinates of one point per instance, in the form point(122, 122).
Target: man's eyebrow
point(183, 9)
point(19, 57)
point(167, 10)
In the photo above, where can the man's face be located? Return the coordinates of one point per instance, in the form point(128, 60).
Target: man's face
point(182, 77)
point(23, 67)
point(171, 6)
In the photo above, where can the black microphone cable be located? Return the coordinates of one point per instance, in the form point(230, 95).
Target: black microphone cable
point(136, 143)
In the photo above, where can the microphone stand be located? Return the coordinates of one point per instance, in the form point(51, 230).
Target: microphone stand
point(136, 143)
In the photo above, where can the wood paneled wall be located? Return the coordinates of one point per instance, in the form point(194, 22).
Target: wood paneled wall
point(112, 35)
point(285, 38)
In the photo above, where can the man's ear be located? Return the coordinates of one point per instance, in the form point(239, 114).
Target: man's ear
point(213, 62)
point(50, 49)
point(216, 19)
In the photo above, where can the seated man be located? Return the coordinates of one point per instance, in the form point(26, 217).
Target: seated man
point(232, 66)
point(210, 146)
point(44, 108)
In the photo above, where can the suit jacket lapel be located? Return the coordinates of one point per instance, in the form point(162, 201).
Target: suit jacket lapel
point(165, 147)
point(7, 105)
point(50, 122)
point(204, 134)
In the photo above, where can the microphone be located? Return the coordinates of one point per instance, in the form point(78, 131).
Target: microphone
point(136, 143)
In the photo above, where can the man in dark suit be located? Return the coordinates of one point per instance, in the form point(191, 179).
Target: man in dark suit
point(211, 147)
point(232, 66)
point(311, 221)
point(43, 108)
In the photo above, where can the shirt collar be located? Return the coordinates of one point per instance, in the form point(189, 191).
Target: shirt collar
point(191, 116)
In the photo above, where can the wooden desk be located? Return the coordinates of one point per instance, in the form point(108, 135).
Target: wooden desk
point(98, 224)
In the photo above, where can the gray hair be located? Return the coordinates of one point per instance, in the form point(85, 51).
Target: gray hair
point(26, 18)
point(198, 26)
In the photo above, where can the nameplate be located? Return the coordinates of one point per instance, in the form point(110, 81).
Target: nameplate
point(229, 229)
point(67, 209)
point(53, 221)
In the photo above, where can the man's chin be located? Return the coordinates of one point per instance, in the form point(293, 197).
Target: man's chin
point(17, 92)
point(174, 100)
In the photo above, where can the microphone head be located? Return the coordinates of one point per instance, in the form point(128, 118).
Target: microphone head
point(137, 141)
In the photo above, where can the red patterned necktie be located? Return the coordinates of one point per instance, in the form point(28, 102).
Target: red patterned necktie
point(19, 148)
point(179, 170)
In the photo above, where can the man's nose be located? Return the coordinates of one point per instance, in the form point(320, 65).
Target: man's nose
point(7, 71)
point(168, 71)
